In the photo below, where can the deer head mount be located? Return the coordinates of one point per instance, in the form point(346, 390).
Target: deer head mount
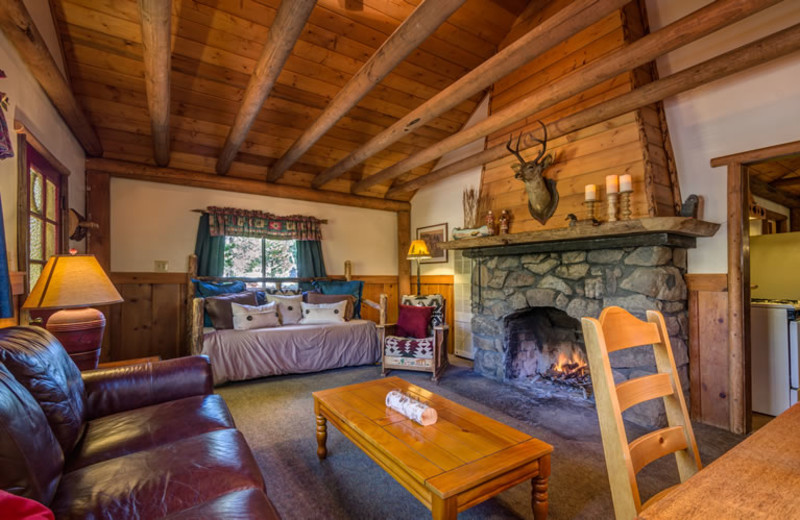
point(542, 193)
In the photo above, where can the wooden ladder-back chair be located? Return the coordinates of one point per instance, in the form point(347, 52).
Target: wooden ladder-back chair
point(617, 329)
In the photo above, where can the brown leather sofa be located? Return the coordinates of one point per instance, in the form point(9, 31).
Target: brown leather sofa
point(144, 441)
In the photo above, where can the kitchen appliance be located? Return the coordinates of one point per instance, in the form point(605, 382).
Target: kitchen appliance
point(775, 365)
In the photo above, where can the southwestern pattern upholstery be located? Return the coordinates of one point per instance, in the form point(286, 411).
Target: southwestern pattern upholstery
point(420, 354)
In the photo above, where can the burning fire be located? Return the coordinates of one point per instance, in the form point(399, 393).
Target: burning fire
point(569, 364)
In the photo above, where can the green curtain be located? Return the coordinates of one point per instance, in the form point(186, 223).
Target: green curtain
point(310, 263)
point(210, 250)
point(6, 303)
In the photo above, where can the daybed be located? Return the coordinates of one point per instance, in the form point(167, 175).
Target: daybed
point(238, 355)
point(143, 441)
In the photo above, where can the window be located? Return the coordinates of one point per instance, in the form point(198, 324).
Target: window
point(259, 258)
point(44, 218)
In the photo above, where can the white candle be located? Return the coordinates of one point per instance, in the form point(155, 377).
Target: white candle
point(625, 183)
point(612, 183)
point(591, 192)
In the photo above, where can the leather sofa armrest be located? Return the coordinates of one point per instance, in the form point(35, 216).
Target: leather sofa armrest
point(113, 390)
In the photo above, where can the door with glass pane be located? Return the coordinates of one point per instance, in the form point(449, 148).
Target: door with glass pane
point(44, 214)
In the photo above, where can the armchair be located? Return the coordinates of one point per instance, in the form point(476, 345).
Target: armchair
point(423, 354)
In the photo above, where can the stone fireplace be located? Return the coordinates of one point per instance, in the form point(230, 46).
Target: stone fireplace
point(527, 308)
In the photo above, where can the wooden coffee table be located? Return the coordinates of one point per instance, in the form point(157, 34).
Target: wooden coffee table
point(462, 460)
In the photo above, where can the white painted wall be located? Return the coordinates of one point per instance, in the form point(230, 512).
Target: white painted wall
point(151, 221)
point(442, 201)
point(29, 104)
point(753, 109)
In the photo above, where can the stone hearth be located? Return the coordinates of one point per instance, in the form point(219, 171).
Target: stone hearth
point(581, 283)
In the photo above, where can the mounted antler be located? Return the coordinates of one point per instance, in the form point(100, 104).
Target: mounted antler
point(542, 193)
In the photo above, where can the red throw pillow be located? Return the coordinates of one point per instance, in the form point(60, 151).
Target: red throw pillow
point(412, 321)
point(19, 508)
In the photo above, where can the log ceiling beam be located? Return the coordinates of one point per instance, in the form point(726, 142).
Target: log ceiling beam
point(179, 177)
point(765, 191)
point(737, 60)
point(420, 24)
point(786, 183)
point(155, 16)
point(689, 28)
point(564, 24)
point(284, 32)
point(17, 24)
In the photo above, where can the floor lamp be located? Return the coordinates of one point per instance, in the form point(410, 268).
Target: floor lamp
point(74, 283)
point(418, 251)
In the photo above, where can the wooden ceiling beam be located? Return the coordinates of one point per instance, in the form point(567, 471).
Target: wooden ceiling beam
point(567, 22)
point(737, 60)
point(18, 26)
point(285, 29)
point(785, 183)
point(155, 15)
point(144, 172)
point(689, 28)
point(420, 24)
point(765, 191)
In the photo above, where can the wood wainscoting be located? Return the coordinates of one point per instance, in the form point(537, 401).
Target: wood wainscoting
point(152, 321)
point(708, 349)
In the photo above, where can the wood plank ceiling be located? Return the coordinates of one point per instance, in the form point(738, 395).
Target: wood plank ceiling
point(215, 47)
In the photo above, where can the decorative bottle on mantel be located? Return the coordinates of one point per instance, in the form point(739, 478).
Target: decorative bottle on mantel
point(490, 222)
point(504, 223)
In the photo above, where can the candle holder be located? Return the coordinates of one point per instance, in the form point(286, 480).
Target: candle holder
point(625, 205)
point(613, 199)
point(590, 205)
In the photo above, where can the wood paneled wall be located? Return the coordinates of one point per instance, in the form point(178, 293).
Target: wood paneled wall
point(634, 143)
point(708, 348)
point(152, 320)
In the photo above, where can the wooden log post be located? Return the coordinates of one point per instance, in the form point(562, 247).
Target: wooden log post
point(18, 26)
point(758, 52)
point(284, 31)
point(155, 15)
point(738, 300)
point(567, 22)
point(420, 24)
point(180, 177)
point(403, 243)
point(689, 28)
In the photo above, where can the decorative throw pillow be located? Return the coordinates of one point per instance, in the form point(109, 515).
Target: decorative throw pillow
point(427, 300)
point(323, 312)
point(206, 289)
point(246, 317)
point(219, 307)
point(315, 298)
point(288, 307)
point(412, 321)
point(354, 288)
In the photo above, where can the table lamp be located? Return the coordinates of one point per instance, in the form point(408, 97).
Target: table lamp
point(72, 283)
point(418, 251)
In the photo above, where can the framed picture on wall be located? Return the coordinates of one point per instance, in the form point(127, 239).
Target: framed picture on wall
point(433, 236)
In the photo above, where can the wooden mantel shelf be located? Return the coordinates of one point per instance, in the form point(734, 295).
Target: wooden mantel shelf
point(676, 231)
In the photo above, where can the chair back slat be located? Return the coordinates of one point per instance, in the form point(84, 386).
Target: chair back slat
point(623, 330)
point(616, 329)
point(655, 445)
point(641, 389)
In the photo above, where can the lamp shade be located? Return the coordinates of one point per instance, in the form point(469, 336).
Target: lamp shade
point(69, 281)
point(418, 250)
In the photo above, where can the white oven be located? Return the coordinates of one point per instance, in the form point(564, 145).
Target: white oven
point(775, 366)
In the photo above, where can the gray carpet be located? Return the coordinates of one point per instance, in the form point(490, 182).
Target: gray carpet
point(277, 419)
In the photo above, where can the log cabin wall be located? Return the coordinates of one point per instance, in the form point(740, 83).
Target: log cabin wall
point(635, 143)
point(152, 321)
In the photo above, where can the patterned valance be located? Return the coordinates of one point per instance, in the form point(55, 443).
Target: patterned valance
point(257, 224)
